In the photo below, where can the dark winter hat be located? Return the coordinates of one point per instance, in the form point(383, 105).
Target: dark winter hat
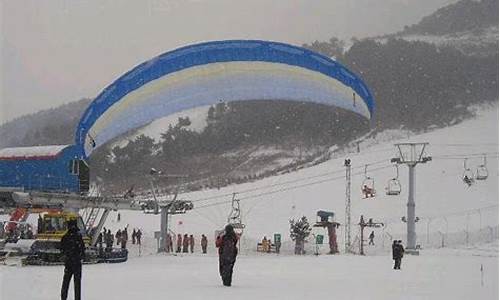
point(72, 224)
point(229, 228)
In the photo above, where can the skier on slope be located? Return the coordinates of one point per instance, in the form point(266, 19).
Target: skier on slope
point(371, 237)
point(73, 249)
point(227, 253)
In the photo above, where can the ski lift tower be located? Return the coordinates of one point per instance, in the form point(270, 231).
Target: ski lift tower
point(173, 207)
point(411, 154)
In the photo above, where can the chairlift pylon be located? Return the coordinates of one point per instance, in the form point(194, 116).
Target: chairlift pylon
point(482, 170)
point(368, 186)
point(393, 185)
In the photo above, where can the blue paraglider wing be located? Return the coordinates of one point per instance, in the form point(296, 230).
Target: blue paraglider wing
point(204, 74)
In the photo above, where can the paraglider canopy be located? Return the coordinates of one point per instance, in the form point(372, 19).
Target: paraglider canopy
point(204, 74)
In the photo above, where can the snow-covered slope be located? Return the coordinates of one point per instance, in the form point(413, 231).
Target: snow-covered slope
point(474, 42)
point(197, 116)
point(443, 202)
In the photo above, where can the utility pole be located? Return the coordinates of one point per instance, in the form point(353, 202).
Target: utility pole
point(347, 237)
point(411, 154)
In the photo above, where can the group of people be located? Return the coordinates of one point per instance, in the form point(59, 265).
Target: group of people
point(185, 244)
point(121, 237)
point(398, 251)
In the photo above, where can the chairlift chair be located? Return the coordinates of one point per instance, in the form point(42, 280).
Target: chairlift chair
point(482, 170)
point(468, 175)
point(368, 186)
point(393, 187)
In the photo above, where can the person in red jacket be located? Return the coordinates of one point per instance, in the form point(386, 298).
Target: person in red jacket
point(227, 253)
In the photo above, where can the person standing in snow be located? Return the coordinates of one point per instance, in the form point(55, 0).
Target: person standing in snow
point(265, 244)
point(371, 237)
point(204, 244)
point(185, 243)
point(400, 250)
point(138, 236)
point(109, 240)
point(124, 238)
point(191, 243)
point(179, 243)
point(394, 245)
point(134, 234)
point(118, 236)
point(227, 254)
point(73, 250)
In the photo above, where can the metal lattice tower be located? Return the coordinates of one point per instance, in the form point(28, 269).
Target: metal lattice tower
point(347, 234)
point(411, 154)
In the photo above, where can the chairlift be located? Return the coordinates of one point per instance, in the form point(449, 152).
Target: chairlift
point(468, 175)
point(368, 186)
point(393, 185)
point(482, 170)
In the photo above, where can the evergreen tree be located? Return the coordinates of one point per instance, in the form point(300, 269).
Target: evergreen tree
point(299, 231)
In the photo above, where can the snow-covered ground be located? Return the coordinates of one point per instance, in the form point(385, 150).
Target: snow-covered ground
point(438, 274)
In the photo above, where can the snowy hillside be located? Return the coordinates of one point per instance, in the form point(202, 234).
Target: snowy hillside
point(197, 116)
point(444, 203)
point(473, 42)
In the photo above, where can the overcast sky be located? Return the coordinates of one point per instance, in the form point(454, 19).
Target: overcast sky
point(57, 51)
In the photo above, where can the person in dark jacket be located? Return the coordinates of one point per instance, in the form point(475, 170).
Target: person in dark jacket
point(185, 243)
point(191, 243)
point(118, 237)
point(394, 253)
point(124, 238)
point(138, 236)
point(227, 253)
point(109, 240)
point(400, 250)
point(179, 243)
point(371, 237)
point(204, 244)
point(134, 235)
point(73, 250)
